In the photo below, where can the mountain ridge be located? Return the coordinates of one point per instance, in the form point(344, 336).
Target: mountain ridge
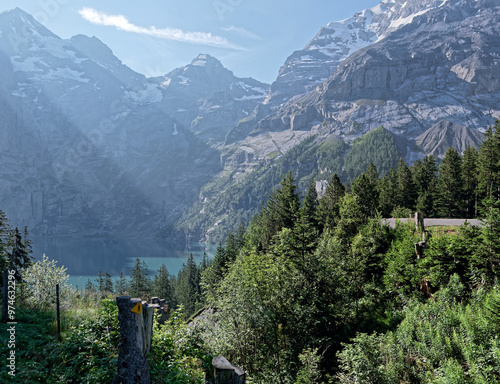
point(438, 64)
point(153, 153)
point(90, 149)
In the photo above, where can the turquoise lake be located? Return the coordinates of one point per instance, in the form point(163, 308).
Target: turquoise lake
point(84, 257)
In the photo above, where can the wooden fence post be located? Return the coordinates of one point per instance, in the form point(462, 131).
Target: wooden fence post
point(136, 330)
point(58, 314)
point(226, 373)
point(419, 221)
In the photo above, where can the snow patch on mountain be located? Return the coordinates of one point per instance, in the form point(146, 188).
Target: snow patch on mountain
point(151, 94)
point(405, 20)
point(306, 68)
point(62, 74)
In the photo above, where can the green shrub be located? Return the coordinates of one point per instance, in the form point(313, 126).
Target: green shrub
point(179, 356)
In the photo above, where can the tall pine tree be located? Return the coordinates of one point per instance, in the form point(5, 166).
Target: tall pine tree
point(305, 233)
point(489, 164)
point(280, 211)
point(140, 282)
point(188, 286)
point(425, 179)
point(328, 209)
point(161, 285)
point(450, 185)
point(121, 285)
point(405, 194)
point(387, 195)
point(470, 181)
point(19, 251)
point(366, 188)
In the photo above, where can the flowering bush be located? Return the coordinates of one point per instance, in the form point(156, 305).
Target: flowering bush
point(40, 281)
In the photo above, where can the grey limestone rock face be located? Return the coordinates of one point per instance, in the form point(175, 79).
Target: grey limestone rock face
point(443, 135)
point(89, 146)
point(307, 68)
point(427, 71)
point(439, 62)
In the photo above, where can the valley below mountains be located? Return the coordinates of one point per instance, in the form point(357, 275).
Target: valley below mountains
point(91, 148)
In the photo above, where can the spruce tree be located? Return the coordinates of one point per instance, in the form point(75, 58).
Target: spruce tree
point(489, 164)
point(121, 285)
point(281, 211)
point(450, 185)
point(108, 283)
point(328, 208)
point(405, 193)
point(188, 284)
point(89, 287)
point(234, 242)
point(366, 188)
point(100, 282)
point(387, 195)
point(140, 283)
point(19, 251)
point(351, 218)
point(470, 181)
point(305, 233)
point(309, 209)
point(284, 204)
point(161, 285)
point(212, 276)
point(4, 231)
point(425, 179)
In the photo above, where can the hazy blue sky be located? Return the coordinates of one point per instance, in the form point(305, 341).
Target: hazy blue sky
point(251, 37)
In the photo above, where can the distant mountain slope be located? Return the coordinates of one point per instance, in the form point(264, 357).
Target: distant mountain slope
point(306, 68)
point(207, 98)
point(379, 147)
point(90, 147)
point(443, 135)
point(408, 81)
point(406, 69)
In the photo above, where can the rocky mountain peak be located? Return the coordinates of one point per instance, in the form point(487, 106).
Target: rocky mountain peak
point(204, 60)
point(19, 30)
point(21, 22)
point(308, 67)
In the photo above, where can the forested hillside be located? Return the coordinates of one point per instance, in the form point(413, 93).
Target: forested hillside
point(447, 187)
point(314, 290)
point(321, 289)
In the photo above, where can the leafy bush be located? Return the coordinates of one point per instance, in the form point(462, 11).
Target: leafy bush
point(179, 356)
point(89, 353)
point(441, 341)
point(40, 283)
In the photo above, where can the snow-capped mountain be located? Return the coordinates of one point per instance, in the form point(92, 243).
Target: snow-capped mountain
point(88, 146)
point(306, 68)
point(432, 65)
point(207, 98)
point(426, 71)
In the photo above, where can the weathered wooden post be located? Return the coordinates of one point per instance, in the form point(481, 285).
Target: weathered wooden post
point(58, 314)
point(161, 305)
point(136, 330)
point(226, 373)
point(419, 221)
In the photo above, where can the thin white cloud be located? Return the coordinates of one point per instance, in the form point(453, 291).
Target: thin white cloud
point(121, 23)
point(242, 32)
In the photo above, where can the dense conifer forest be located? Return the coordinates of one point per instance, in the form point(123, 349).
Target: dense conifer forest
point(314, 289)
